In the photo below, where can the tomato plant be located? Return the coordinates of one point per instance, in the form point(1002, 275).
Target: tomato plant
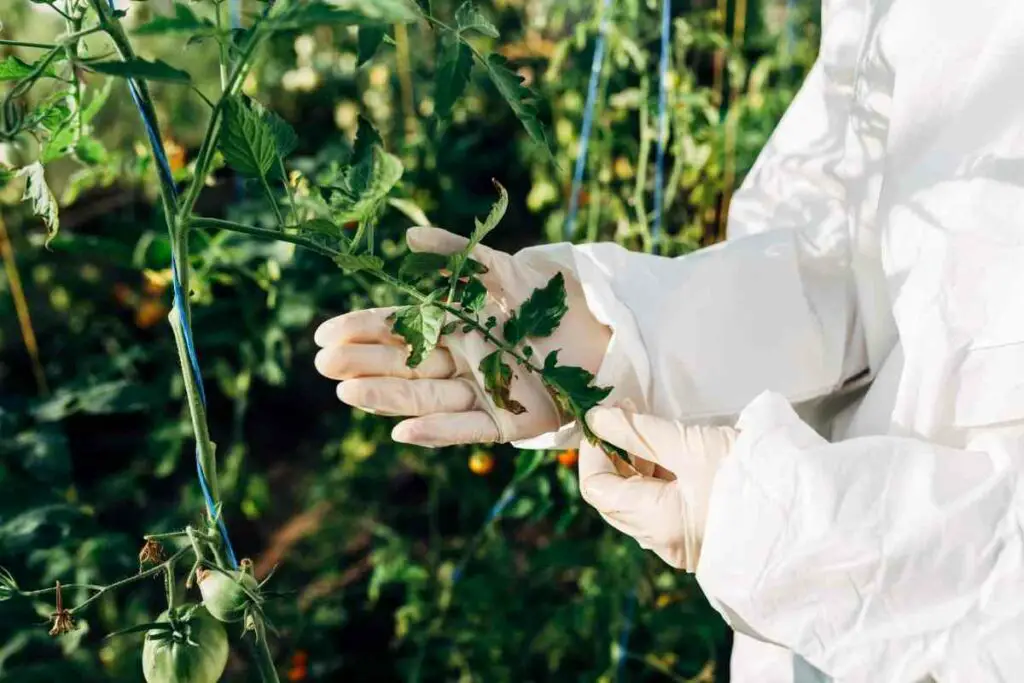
point(348, 203)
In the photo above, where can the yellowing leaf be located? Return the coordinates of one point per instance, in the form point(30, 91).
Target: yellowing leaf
point(498, 383)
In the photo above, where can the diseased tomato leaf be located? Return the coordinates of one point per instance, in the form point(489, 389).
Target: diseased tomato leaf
point(540, 314)
point(474, 295)
point(574, 388)
point(498, 383)
point(420, 327)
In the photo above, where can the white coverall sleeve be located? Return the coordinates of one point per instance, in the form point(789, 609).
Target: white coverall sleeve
point(877, 559)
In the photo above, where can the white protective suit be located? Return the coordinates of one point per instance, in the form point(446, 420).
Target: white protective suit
point(880, 238)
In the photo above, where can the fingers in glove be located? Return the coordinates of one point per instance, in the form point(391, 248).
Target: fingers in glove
point(369, 326)
point(633, 505)
point(438, 241)
point(646, 436)
point(407, 397)
point(447, 429)
point(350, 361)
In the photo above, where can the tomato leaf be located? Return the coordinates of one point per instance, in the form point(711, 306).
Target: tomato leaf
point(183, 21)
point(540, 314)
point(474, 295)
point(497, 212)
point(498, 383)
point(364, 186)
point(13, 69)
point(355, 13)
point(469, 18)
point(420, 327)
point(571, 387)
point(417, 265)
point(455, 63)
point(247, 140)
point(137, 67)
point(353, 263)
point(521, 99)
point(44, 204)
point(370, 38)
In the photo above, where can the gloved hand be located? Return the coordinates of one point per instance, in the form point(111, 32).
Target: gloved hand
point(664, 512)
point(444, 396)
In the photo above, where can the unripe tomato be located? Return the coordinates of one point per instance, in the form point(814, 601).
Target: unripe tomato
point(569, 457)
point(224, 593)
point(481, 463)
point(194, 650)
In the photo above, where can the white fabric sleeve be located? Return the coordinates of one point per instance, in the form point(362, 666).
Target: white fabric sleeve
point(877, 558)
point(697, 337)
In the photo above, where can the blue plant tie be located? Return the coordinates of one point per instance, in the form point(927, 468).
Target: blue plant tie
point(627, 629)
point(167, 177)
point(588, 120)
point(659, 164)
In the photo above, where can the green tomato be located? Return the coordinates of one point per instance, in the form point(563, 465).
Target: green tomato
point(194, 650)
point(224, 593)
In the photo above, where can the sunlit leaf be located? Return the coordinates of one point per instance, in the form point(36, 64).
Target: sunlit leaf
point(521, 99)
point(362, 191)
point(420, 327)
point(469, 18)
point(353, 263)
point(44, 204)
point(13, 69)
point(246, 140)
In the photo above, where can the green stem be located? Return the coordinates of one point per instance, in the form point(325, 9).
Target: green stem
point(22, 43)
point(223, 51)
point(153, 571)
point(273, 201)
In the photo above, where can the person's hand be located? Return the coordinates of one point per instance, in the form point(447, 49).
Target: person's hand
point(664, 512)
point(443, 397)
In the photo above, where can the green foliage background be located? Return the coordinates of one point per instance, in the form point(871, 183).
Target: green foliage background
point(366, 533)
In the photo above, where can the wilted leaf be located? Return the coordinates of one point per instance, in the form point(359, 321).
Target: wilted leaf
point(183, 21)
point(370, 38)
point(354, 263)
point(455, 63)
point(140, 68)
point(469, 18)
point(420, 327)
point(498, 383)
point(44, 204)
point(474, 295)
point(246, 140)
point(521, 99)
point(540, 314)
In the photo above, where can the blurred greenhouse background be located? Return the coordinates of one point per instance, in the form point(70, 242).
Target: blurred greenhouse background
point(366, 534)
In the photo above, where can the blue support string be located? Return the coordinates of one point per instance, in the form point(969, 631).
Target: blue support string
point(167, 177)
point(659, 164)
point(588, 120)
point(627, 629)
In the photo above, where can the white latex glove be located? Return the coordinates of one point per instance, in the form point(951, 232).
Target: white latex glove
point(665, 512)
point(444, 396)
